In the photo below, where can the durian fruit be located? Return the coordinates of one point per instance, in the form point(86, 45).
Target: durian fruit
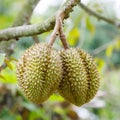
point(39, 72)
point(80, 80)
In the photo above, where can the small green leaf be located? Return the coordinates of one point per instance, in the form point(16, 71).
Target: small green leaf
point(100, 63)
point(90, 26)
point(13, 59)
point(2, 77)
point(56, 97)
point(117, 44)
point(73, 37)
point(10, 76)
point(109, 51)
point(8, 64)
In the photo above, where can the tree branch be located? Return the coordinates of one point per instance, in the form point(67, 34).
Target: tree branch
point(30, 30)
point(100, 17)
point(25, 13)
point(20, 20)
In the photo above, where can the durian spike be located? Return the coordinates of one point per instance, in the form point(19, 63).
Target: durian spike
point(39, 72)
point(80, 80)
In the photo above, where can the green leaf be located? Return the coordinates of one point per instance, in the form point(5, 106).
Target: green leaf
point(100, 63)
point(30, 106)
point(6, 114)
point(9, 76)
point(37, 114)
point(5, 21)
point(8, 64)
point(13, 59)
point(90, 26)
point(73, 36)
point(2, 77)
point(109, 50)
point(56, 97)
point(117, 44)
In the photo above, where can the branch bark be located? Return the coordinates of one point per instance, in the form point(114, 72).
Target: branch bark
point(30, 30)
point(25, 13)
point(23, 18)
point(100, 17)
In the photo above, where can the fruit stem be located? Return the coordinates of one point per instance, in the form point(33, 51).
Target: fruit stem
point(55, 32)
point(58, 30)
point(62, 35)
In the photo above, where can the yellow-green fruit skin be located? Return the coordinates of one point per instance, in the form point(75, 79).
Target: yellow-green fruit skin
point(80, 80)
point(39, 72)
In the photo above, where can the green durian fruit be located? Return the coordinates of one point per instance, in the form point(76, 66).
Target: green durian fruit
point(39, 72)
point(80, 80)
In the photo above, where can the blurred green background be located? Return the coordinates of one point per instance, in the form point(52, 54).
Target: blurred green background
point(99, 38)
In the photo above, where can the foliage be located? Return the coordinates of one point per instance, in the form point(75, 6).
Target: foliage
point(82, 31)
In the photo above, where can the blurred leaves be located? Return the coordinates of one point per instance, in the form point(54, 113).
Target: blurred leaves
point(100, 63)
point(5, 114)
point(90, 26)
point(2, 77)
point(113, 46)
point(56, 97)
point(8, 63)
point(109, 51)
point(5, 21)
point(8, 75)
point(117, 44)
point(74, 36)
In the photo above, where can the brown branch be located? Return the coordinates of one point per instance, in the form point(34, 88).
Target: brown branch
point(30, 30)
point(100, 17)
point(25, 13)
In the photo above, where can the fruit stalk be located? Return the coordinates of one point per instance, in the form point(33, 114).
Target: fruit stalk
point(63, 36)
point(58, 30)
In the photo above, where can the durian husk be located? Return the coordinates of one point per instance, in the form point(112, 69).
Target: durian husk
point(39, 72)
point(80, 80)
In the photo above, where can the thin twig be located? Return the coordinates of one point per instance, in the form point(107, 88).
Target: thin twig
point(100, 17)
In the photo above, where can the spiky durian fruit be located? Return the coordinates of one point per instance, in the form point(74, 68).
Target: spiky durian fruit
point(39, 72)
point(80, 80)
